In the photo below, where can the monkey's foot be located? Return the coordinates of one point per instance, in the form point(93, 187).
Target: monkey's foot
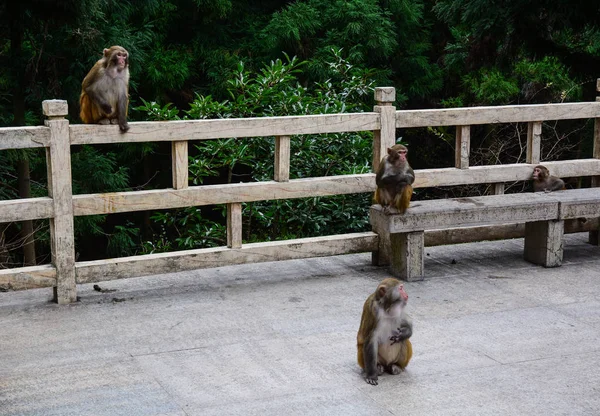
point(394, 369)
point(104, 121)
point(390, 210)
point(380, 369)
point(114, 121)
point(124, 127)
point(372, 380)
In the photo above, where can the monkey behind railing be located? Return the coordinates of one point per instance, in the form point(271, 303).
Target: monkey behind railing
point(544, 182)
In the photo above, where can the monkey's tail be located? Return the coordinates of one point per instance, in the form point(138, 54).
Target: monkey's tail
point(84, 108)
point(376, 196)
point(89, 113)
point(360, 357)
point(408, 354)
point(403, 199)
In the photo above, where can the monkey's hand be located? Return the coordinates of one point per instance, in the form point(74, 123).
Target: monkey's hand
point(404, 332)
point(107, 108)
point(387, 210)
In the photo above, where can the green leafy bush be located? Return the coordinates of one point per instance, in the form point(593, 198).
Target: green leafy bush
point(274, 90)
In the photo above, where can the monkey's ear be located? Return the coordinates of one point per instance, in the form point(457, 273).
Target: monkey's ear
point(390, 150)
point(381, 291)
point(105, 52)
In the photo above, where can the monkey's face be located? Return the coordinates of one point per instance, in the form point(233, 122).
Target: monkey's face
point(393, 156)
point(394, 300)
point(117, 56)
point(397, 155)
point(402, 296)
point(539, 173)
point(120, 59)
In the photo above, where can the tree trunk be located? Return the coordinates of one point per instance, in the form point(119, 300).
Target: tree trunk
point(16, 18)
point(147, 222)
point(4, 255)
point(27, 228)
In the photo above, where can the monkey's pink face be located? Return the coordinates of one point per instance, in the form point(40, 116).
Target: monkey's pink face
point(402, 154)
point(121, 60)
point(536, 173)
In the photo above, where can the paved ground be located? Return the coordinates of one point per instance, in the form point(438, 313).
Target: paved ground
point(493, 335)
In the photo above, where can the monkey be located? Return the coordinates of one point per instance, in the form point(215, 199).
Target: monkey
point(543, 181)
point(383, 336)
point(394, 181)
point(105, 90)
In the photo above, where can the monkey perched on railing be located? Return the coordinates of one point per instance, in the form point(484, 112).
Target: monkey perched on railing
point(105, 90)
point(394, 181)
point(543, 181)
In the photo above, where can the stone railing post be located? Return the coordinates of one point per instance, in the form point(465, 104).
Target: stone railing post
point(386, 136)
point(594, 236)
point(62, 240)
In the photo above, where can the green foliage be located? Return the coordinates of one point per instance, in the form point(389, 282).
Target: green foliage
point(290, 26)
point(272, 91)
point(457, 50)
point(373, 34)
point(124, 241)
point(97, 171)
point(220, 8)
point(549, 76)
point(168, 68)
point(586, 41)
point(362, 25)
point(156, 112)
point(184, 229)
point(7, 171)
point(491, 87)
point(452, 102)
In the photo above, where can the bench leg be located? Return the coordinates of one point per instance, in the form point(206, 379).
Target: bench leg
point(544, 242)
point(594, 238)
point(381, 257)
point(406, 260)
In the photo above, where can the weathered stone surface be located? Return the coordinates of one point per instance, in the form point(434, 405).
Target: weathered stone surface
point(544, 243)
point(579, 203)
point(458, 212)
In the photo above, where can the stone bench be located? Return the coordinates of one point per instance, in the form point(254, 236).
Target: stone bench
point(401, 237)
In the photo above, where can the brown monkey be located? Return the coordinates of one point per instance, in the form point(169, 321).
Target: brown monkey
point(383, 337)
point(543, 181)
point(105, 90)
point(394, 181)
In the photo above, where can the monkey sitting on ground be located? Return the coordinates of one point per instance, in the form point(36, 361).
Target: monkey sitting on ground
point(383, 337)
point(105, 90)
point(394, 181)
point(543, 181)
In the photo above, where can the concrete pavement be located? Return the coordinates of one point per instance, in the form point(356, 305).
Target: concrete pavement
point(493, 335)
